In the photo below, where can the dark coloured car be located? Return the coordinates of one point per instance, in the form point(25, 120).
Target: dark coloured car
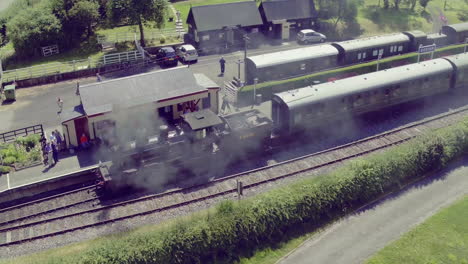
point(167, 57)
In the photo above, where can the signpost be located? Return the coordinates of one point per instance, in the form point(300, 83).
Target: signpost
point(378, 59)
point(426, 49)
point(464, 51)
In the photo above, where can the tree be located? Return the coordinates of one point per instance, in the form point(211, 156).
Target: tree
point(76, 17)
point(33, 28)
point(386, 4)
point(138, 12)
point(396, 4)
point(424, 3)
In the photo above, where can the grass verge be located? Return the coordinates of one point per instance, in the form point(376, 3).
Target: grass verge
point(443, 238)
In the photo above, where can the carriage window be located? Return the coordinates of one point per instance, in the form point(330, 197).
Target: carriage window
point(303, 66)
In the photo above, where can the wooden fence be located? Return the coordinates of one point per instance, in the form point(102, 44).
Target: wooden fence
point(12, 135)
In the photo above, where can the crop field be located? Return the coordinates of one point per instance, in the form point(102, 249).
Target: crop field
point(443, 238)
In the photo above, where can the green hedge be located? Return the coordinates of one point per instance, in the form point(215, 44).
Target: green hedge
point(267, 89)
point(238, 228)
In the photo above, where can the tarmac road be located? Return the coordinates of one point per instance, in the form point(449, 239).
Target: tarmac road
point(359, 236)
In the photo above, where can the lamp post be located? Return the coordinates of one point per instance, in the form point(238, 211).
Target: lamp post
point(255, 89)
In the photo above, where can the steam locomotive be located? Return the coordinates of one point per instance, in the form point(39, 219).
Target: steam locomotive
point(205, 142)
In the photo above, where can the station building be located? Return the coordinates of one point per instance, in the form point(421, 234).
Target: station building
point(136, 101)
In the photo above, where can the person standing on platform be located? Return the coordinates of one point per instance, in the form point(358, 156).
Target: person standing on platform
point(222, 63)
point(55, 153)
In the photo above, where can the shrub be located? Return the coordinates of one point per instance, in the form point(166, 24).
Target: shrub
point(162, 40)
point(29, 142)
point(4, 169)
point(10, 160)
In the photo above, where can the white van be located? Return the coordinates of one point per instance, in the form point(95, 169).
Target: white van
point(187, 53)
point(309, 36)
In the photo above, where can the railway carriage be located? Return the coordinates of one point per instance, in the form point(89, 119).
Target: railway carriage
point(460, 64)
point(366, 49)
point(314, 106)
point(290, 63)
point(456, 33)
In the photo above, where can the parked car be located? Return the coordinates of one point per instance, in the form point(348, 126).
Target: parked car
point(309, 36)
point(187, 53)
point(167, 56)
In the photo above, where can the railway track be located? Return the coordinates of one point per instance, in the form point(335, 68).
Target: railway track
point(187, 197)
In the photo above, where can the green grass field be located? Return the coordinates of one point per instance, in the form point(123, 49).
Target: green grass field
point(443, 238)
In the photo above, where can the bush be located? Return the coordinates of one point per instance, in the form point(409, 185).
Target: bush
point(5, 169)
point(10, 160)
point(30, 141)
point(162, 40)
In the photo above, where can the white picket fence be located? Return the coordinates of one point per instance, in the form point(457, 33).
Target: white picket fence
point(130, 36)
point(70, 66)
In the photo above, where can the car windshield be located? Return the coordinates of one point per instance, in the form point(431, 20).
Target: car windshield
point(191, 52)
point(170, 54)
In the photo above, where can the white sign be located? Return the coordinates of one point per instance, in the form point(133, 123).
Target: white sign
point(426, 49)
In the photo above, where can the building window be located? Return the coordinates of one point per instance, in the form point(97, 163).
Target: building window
point(359, 56)
point(400, 48)
point(374, 53)
point(303, 67)
point(221, 35)
point(392, 49)
point(363, 55)
point(381, 51)
point(205, 37)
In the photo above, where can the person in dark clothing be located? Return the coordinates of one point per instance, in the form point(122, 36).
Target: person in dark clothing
point(222, 62)
point(55, 153)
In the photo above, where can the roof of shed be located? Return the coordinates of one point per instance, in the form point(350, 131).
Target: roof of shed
point(288, 9)
point(212, 17)
point(205, 82)
point(318, 93)
point(137, 90)
point(372, 41)
point(72, 113)
point(202, 119)
point(294, 55)
point(459, 27)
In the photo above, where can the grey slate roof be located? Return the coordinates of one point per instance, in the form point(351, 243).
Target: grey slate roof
point(212, 17)
point(371, 42)
point(71, 113)
point(288, 9)
point(204, 81)
point(317, 93)
point(293, 55)
point(137, 90)
point(202, 119)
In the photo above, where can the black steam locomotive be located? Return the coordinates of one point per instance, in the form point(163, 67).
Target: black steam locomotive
point(205, 142)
